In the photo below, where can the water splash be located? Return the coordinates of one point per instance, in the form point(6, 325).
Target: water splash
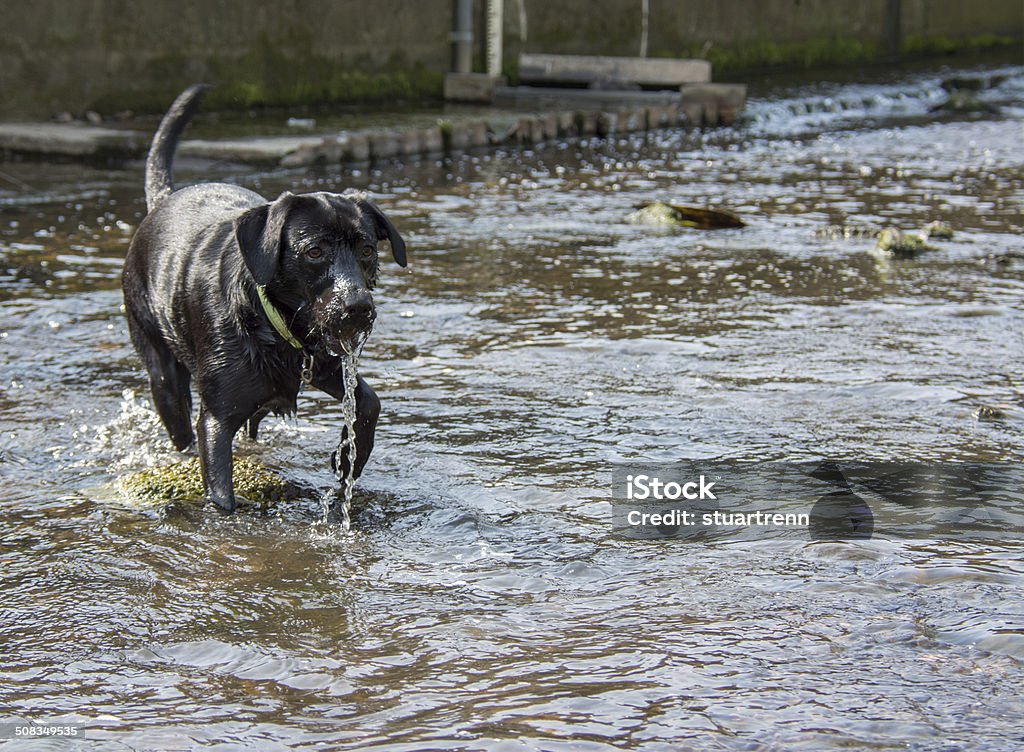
point(347, 442)
point(133, 439)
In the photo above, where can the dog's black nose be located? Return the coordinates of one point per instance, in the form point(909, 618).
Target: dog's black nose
point(359, 307)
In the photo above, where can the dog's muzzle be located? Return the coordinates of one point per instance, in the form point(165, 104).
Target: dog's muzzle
point(344, 319)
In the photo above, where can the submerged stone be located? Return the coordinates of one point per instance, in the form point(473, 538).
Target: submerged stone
point(847, 232)
point(965, 102)
point(971, 83)
point(182, 481)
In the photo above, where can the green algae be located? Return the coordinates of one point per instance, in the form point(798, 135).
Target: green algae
point(182, 481)
point(756, 54)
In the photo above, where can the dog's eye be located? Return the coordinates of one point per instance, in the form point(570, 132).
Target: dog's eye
point(315, 252)
point(369, 252)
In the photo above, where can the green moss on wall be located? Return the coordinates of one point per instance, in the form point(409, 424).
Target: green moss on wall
point(757, 54)
point(265, 76)
point(760, 53)
point(339, 86)
point(917, 44)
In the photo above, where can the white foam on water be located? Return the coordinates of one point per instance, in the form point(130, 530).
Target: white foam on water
point(834, 105)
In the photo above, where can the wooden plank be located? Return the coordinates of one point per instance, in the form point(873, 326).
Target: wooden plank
point(583, 69)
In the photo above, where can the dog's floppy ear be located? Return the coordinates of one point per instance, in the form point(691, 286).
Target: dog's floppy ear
point(385, 230)
point(258, 232)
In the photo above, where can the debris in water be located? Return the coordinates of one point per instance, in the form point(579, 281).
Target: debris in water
point(669, 215)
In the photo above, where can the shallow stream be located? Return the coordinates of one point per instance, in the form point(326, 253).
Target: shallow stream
point(480, 600)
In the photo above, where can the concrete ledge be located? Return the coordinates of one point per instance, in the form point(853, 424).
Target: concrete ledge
point(463, 136)
point(267, 149)
point(73, 140)
point(704, 104)
point(584, 69)
point(713, 104)
point(540, 96)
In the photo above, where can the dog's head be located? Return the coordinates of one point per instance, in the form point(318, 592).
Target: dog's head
point(316, 253)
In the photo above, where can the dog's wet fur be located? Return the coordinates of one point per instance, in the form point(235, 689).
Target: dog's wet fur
point(190, 289)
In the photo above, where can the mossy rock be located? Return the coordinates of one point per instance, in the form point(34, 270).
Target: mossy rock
point(660, 214)
point(897, 244)
point(182, 481)
point(937, 229)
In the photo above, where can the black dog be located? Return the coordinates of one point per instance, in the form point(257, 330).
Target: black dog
point(249, 298)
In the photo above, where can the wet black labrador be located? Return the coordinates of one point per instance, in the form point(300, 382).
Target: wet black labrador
point(247, 297)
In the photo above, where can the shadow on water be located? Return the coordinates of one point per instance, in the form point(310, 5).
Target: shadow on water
point(535, 339)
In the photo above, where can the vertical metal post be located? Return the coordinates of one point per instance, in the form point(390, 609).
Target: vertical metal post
point(495, 30)
point(645, 11)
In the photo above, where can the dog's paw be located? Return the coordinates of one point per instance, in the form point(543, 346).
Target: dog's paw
point(225, 505)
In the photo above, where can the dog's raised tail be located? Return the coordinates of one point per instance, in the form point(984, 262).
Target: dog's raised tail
point(159, 181)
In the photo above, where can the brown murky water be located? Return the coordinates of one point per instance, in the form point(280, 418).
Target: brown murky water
point(481, 601)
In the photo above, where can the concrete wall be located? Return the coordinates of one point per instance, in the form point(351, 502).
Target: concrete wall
point(110, 55)
point(747, 34)
point(955, 18)
point(72, 55)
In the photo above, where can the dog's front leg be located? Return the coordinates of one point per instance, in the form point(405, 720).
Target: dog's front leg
point(216, 434)
point(367, 413)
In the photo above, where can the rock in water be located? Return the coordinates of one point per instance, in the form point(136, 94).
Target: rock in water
point(992, 412)
point(972, 83)
point(965, 102)
point(847, 232)
point(896, 244)
point(660, 214)
point(182, 481)
point(937, 229)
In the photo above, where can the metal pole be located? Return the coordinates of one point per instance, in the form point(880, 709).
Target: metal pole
point(462, 37)
point(495, 30)
point(644, 14)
